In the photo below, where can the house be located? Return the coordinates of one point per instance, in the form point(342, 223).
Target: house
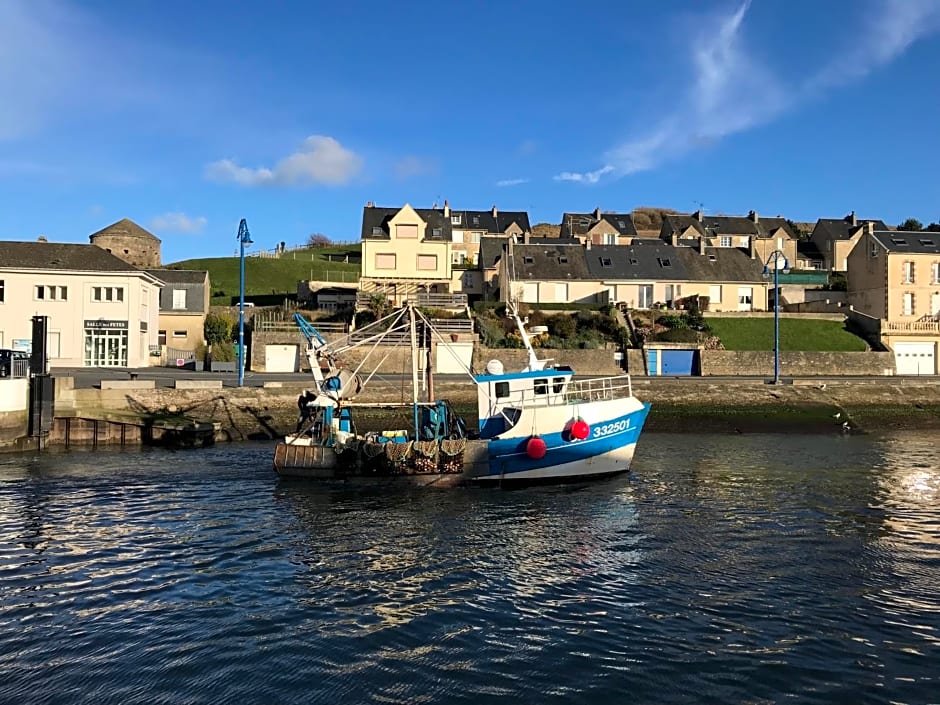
point(548, 273)
point(757, 236)
point(406, 255)
point(598, 228)
point(492, 250)
point(835, 238)
point(893, 280)
point(102, 311)
point(468, 228)
point(184, 303)
point(655, 274)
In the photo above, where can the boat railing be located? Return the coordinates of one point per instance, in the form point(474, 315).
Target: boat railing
point(599, 389)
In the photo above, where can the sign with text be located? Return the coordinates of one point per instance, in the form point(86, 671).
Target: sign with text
point(102, 324)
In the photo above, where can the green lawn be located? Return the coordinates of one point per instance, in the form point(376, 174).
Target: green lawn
point(267, 280)
point(807, 335)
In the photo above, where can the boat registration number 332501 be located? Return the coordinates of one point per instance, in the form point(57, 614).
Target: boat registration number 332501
point(608, 428)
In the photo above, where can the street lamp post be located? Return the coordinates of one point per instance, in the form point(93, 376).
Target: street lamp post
point(244, 238)
point(776, 257)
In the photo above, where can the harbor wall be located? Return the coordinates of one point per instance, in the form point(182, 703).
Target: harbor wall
point(738, 362)
point(14, 410)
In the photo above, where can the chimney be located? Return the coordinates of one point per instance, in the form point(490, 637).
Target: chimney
point(852, 219)
point(701, 245)
point(495, 211)
point(697, 215)
point(41, 238)
point(674, 240)
point(597, 213)
point(753, 216)
point(370, 204)
point(870, 226)
point(525, 239)
point(446, 209)
point(587, 245)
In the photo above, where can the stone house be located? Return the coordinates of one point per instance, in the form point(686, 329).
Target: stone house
point(758, 237)
point(836, 237)
point(894, 290)
point(128, 241)
point(599, 228)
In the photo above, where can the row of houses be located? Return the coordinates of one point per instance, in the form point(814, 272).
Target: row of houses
point(108, 303)
point(440, 256)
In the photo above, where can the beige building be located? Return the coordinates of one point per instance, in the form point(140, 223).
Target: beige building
point(468, 228)
point(102, 311)
point(598, 228)
point(835, 238)
point(894, 278)
point(758, 237)
point(184, 303)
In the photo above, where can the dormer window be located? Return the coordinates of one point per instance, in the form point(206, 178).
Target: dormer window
point(712, 258)
point(528, 260)
point(455, 219)
point(899, 242)
point(664, 261)
point(563, 259)
point(584, 222)
point(476, 220)
point(437, 232)
point(928, 243)
point(634, 260)
point(377, 230)
point(606, 262)
point(622, 225)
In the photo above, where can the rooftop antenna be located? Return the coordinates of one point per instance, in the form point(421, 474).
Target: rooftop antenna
point(701, 206)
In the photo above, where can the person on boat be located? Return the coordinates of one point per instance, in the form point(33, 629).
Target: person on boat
point(303, 404)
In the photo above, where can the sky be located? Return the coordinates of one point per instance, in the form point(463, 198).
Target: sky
point(188, 116)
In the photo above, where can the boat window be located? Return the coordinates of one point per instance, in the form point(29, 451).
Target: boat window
point(559, 384)
point(541, 386)
point(502, 390)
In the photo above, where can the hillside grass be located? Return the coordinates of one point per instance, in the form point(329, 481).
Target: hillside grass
point(799, 335)
point(269, 280)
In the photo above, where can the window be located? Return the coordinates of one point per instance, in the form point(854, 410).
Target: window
point(468, 280)
point(107, 293)
point(437, 232)
point(724, 241)
point(161, 337)
point(714, 293)
point(143, 326)
point(427, 262)
point(455, 219)
point(458, 257)
point(43, 292)
point(907, 304)
point(664, 261)
point(935, 268)
point(927, 243)
point(608, 239)
point(179, 298)
point(621, 225)
point(563, 259)
point(899, 242)
point(645, 296)
point(502, 390)
point(476, 220)
point(1, 291)
point(475, 237)
point(179, 334)
point(409, 232)
point(385, 261)
point(377, 231)
point(559, 384)
point(606, 262)
point(584, 222)
point(712, 258)
point(634, 260)
point(528, 260)
point(907, 273)
point(541, 386)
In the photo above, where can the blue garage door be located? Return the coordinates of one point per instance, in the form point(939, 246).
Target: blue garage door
point(678, 362)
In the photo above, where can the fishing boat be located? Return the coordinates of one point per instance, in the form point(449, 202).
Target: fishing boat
point(538, 424)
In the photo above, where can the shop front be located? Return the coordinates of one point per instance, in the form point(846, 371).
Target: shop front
point(105, 343)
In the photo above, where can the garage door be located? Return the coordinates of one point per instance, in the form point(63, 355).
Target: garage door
point(915, 358)
point(678, 362)
point(453, 358)
point(280, 358)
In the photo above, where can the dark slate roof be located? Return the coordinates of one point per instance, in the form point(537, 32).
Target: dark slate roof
point(493, 224)
point(842, 228)
point(767, 226)
point(60, 257)
point(377, 217)
point(179, 276)
point(679, 222)
point(717, 225)
point(720, 264)
point(125, 228)
point(549, 261)
point(808, 250)
point(647, 261)
point(574, 224)
point(491, 247)
point(918, 243)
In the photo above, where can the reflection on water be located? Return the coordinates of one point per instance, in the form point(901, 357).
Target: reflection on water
point(747, 568)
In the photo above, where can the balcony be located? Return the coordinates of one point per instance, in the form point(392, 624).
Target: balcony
point(929, 327)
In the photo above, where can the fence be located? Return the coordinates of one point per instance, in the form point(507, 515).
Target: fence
point(292, 251)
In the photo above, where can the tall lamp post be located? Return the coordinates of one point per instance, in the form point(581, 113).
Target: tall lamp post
point(244, 238)
point(776, 257)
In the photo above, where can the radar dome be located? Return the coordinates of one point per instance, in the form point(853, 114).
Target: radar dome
point(494, 367)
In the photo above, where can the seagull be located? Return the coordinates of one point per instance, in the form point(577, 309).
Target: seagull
point(846, 427)
point(837, 415)
point(822, 387)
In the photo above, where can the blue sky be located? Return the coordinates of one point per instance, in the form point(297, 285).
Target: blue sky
point(188, 116)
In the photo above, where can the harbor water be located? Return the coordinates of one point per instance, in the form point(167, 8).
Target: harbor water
point(723, 569)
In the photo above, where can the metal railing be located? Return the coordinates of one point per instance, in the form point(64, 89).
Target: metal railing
point(914, 327)
point(599, 389)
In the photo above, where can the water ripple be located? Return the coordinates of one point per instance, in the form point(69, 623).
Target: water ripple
point(733, 569)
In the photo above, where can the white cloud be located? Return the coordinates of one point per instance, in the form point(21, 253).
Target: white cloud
point(733, 91)
point(176, 222)
point(320, 160)
point(511, 182)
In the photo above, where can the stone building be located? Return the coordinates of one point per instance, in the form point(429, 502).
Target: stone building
point(128, 241)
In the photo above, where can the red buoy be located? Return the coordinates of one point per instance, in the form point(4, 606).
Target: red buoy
point(580, 429)
point(535, 448)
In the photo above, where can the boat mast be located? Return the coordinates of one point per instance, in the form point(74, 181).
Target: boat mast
point(414, 363)
point(512, 308)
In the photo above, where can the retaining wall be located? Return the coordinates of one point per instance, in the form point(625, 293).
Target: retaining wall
point(796, 364)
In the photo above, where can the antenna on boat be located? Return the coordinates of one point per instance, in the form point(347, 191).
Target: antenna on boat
point(512, 309)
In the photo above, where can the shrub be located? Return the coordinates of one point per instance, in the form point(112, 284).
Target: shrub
point(672, 321)
point(678, 335)
point(562, 326)
point(218, 328)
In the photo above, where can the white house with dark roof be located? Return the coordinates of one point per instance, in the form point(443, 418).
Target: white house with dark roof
point(599, 228)
point(102, 311)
